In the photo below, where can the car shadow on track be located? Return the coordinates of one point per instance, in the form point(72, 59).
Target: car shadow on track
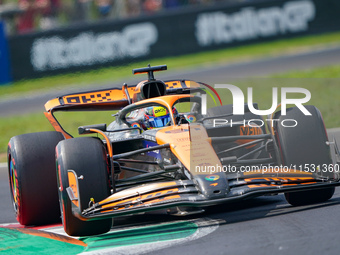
point(247, 210)
point(262, 207)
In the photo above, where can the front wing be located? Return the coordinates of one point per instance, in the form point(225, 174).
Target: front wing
point(186, 193)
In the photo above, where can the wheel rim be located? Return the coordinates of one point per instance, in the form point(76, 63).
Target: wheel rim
point(13, 184)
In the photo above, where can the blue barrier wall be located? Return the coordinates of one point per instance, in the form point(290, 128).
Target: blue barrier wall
point(5, 76)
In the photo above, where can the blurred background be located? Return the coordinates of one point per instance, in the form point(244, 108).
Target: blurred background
point(47, 37)
point(25, 16)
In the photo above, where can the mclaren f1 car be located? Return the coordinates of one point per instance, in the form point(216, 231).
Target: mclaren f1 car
point(162, 151)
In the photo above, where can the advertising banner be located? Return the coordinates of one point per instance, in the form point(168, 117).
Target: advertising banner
point(114, 43)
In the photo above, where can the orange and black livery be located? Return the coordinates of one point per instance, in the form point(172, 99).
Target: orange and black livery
point(162, 151)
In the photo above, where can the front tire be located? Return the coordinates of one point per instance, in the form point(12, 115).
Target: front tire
point(304, 144)
point(86, 156)
point(32, 177)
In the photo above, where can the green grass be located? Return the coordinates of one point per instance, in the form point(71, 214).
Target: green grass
point(204, 59)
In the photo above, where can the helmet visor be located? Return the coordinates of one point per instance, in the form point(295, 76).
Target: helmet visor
point(159, 121)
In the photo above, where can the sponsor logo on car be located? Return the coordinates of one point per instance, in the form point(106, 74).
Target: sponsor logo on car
point(212, 177)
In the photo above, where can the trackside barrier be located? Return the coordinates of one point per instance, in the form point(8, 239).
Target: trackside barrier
point(114, 43)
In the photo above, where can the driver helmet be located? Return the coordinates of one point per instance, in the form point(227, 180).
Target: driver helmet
point(157, 116)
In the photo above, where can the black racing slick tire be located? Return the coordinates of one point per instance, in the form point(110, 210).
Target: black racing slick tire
point(85, 156)
point(32, 177)
point(304, 145)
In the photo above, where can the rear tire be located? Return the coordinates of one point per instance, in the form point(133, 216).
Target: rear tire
point(32, 177)
point(87, 157)
point(304, 144)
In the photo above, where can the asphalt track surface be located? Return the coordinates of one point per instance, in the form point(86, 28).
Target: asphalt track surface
point(264, 225)
point(211, 75)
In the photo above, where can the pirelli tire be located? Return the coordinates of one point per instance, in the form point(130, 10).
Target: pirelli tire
point(32, 177)
point(306, 143)
point(86, 156)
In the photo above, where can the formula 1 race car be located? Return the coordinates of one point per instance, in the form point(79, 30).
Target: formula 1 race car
point(163, 151)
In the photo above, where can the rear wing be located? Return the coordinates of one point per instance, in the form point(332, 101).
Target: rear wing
point(108, 99)
point(112, 99)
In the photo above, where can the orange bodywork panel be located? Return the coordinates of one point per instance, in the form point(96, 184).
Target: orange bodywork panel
point(138, 197)
point(156, 192)
point(52, 103)
point(192, 148)
point(148, 188)
point(73, 184)
point(55, 124)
